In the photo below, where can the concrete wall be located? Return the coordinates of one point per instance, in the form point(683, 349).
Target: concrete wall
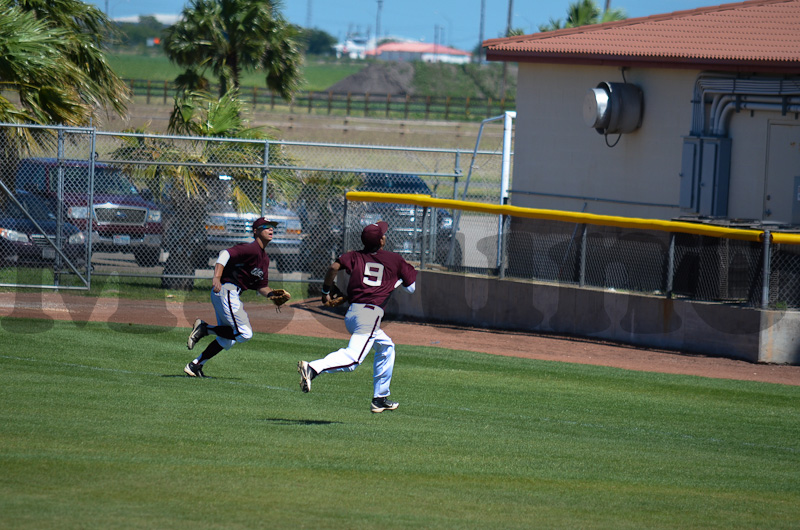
point(706, 328)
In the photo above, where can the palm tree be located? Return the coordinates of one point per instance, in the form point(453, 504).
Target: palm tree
point(230, 37)
point(584, 13)
point(54, 62)
point(53, 70)
point(182, 178)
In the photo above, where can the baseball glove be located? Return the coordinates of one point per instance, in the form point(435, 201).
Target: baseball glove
point(334, 298)
point(279, 297)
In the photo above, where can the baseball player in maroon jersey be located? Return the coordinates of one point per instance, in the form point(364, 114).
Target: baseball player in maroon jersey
point(239, 268)
point(374, 274)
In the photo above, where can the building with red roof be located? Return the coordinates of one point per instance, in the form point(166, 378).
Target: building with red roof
point(420, 51)
point(691, 113)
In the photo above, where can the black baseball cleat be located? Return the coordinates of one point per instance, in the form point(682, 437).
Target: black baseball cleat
point(306, 375)
point(379, 404)
point(199, 330)
point(194, 370)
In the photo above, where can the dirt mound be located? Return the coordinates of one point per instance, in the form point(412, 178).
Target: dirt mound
point(395, 78)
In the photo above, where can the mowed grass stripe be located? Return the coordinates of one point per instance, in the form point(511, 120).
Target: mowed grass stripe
point(100, 428)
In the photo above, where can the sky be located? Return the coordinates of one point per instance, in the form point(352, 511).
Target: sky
point(455, 23)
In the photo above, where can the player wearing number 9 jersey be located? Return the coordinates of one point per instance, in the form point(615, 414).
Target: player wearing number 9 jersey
point(374, 274)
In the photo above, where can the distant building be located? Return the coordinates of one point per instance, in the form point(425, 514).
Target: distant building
point(354, 47)
point(419, 51)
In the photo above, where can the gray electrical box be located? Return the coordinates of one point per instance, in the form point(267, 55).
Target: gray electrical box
point(796, 202)
point(705, 175)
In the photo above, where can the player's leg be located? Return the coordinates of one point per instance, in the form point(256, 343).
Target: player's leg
point(361, 324)
point(233, 325)
point(195, 368)
point(383, 368)
point(344, 359)
point(383, 365)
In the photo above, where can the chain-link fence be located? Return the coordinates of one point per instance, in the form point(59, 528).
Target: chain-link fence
point(655, 258)
point(164, 206)
point(75, 202)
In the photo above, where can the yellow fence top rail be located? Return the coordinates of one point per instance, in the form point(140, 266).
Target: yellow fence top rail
point(572, 217)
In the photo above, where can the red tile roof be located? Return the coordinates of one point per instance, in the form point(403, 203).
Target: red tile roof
point(418, 47)
point(758, 35)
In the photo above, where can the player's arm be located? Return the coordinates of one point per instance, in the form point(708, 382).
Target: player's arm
point(328, 282)
point(219, 266)
point(408, 277)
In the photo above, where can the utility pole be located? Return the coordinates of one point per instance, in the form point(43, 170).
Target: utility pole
point(378, 22)
point(508, 32)
point(480, 34)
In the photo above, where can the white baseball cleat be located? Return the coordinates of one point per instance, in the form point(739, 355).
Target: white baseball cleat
point(379, 404)
point(194, 370)
point(305, 376)
point(199, 330)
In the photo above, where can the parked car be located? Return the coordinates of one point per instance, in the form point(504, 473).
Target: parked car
point(121, 221)
point(405, 221)
point(226, 227)
point(21, 243)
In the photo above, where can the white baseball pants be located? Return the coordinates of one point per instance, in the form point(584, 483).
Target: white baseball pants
point(230, 312)
point(363, 321)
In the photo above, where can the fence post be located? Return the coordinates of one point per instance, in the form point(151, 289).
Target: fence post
point(366, 104)
point(330, 101)
point(408, 98)
point(427, 106)
point(166, 83)
point(345, 225)
point(265, 178)
point(488, 107)
point(272, 100)
point(670, 266)
point(425, 243)
point(457, 171)
point(388, 103)
point(766, 270)
point(582, 262)
point(347, 112)
point(466, 108)
point(503, 257)
point(447, 108)
point(255, 97)
point(148, 91)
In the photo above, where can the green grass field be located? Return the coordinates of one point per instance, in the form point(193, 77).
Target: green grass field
point(100, 429)
point(317, 75)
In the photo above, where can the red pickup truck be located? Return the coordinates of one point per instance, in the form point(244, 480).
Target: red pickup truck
point(121, 220)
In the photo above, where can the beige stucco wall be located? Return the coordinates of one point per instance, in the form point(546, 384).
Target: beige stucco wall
point(556, 153)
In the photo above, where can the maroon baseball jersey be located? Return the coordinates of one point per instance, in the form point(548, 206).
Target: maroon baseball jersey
point(248, 267)
point(373, 275)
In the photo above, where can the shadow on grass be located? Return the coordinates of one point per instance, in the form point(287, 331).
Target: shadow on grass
point(287, 421)
point(184, 376)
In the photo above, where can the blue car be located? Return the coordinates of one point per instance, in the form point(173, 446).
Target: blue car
point(21, 243)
